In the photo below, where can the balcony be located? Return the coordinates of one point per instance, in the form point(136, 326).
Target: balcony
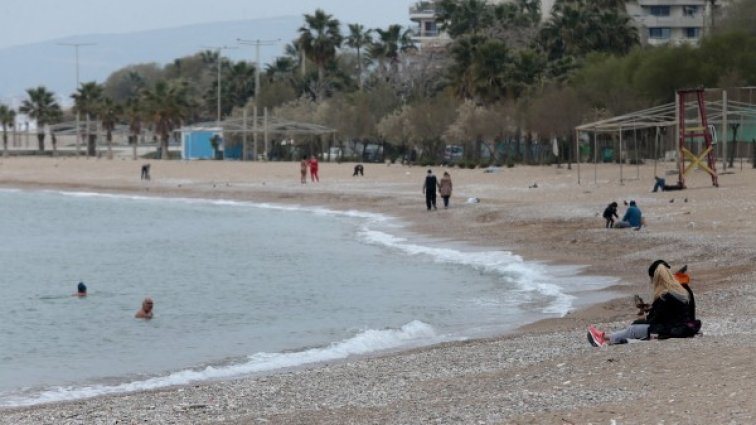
point(672, 3)
point(651, 21)
point(422, 11)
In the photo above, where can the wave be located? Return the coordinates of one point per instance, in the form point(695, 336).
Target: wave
point(369, 341)
point(535, 282)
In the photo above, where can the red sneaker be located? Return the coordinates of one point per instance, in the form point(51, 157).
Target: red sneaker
point(596, 337)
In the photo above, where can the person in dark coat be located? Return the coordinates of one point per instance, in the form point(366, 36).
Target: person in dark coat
point(610, 213)
point(672, 313)
point(429, 189)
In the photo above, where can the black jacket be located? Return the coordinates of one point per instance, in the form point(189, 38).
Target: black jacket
point(610, 211)
point(671, 317)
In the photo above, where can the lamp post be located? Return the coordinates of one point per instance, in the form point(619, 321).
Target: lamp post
point(76, 49)
point(257, 44)
point(218, 50)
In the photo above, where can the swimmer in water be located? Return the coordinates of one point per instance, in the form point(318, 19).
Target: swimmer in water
point(146, 311)
point(81, 290)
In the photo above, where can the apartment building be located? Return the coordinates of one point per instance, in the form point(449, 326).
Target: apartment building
point(658, 21)
point(669, 21)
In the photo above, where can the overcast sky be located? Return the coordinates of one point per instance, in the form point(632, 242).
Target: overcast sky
point(31, 21)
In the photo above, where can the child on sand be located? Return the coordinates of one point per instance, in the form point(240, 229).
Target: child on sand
point(610, 213)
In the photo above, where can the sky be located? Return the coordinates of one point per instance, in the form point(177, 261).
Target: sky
point(32, 21)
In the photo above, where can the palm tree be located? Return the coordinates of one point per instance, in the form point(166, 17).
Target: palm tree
point(390, 44)
point(110, 113)
point(134, 116)
point(39, 106)
point(167, 106)
point(579, 27)
point(320, 37)
point(463, 17)
point(7, 120)
point(87, 101)
point(241, 84)
point(357, 39)
point(54, 116)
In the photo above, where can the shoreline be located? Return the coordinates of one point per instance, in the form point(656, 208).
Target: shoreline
point(595, 295)
point(511, 214)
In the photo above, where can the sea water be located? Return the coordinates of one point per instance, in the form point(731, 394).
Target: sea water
point(239, 288)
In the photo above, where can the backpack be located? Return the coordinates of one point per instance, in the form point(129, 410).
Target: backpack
point(687, 329)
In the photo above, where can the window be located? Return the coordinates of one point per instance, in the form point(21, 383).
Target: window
point(690, 10)
point(430, 28)
point(659, 33)
point(659, 10)
point(693, 32)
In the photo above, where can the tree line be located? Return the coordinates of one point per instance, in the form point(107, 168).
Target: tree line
point(506, 82)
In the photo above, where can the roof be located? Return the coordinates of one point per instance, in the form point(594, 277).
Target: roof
point(665, 116)
point(274, 125)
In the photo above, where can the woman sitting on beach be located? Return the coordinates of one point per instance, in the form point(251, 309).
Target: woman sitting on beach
point(671, 315)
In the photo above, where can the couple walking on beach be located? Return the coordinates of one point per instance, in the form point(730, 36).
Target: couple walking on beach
point(313, 166)
point(444, 187)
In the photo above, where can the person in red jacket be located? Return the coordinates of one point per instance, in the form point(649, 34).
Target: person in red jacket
point(314, 169)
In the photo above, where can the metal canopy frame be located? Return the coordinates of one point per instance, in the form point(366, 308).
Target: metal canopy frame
point(719, 112)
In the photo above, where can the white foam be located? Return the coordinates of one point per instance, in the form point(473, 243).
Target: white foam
point(530, 277)
point(369, 341)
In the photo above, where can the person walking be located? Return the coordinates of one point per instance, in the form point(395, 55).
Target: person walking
point(303, 170)
point(314, 169)
point(445, 188)
point(429, 189)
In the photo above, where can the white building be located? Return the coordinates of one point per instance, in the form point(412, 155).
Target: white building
point(669, 21)
point(658, 21)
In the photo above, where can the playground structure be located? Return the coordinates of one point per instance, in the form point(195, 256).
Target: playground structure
point(693, 132)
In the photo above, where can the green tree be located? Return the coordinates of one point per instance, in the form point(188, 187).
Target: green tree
point(87, 101)
point(167, 105)
point(358, 39)
point(110, 114)
point(55, 116)
point(579, 27)
point(134, 113)
point(463, 17)
point(391, 43)
point(320, 37)
point(7, 120)
point(40, 106)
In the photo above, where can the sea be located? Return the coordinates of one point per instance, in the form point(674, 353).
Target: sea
point(240, 288)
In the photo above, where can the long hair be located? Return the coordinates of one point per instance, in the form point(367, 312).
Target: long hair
point(664, 282)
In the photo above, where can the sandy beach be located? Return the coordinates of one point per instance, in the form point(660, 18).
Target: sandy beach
point(544, 373)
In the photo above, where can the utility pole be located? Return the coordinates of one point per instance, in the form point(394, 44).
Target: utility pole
point(218, 50)
point(257, 44)
point(76, 49)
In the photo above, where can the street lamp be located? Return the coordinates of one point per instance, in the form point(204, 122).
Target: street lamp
point(218, 50)
point(76, 49)
point(257, 44)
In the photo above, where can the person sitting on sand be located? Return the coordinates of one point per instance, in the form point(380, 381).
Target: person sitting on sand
point(81, 290)
point(610, 213)
point(671, 314)
point(146, 311)
point(632, 218)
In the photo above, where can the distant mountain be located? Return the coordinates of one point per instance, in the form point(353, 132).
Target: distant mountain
point(54, 66)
